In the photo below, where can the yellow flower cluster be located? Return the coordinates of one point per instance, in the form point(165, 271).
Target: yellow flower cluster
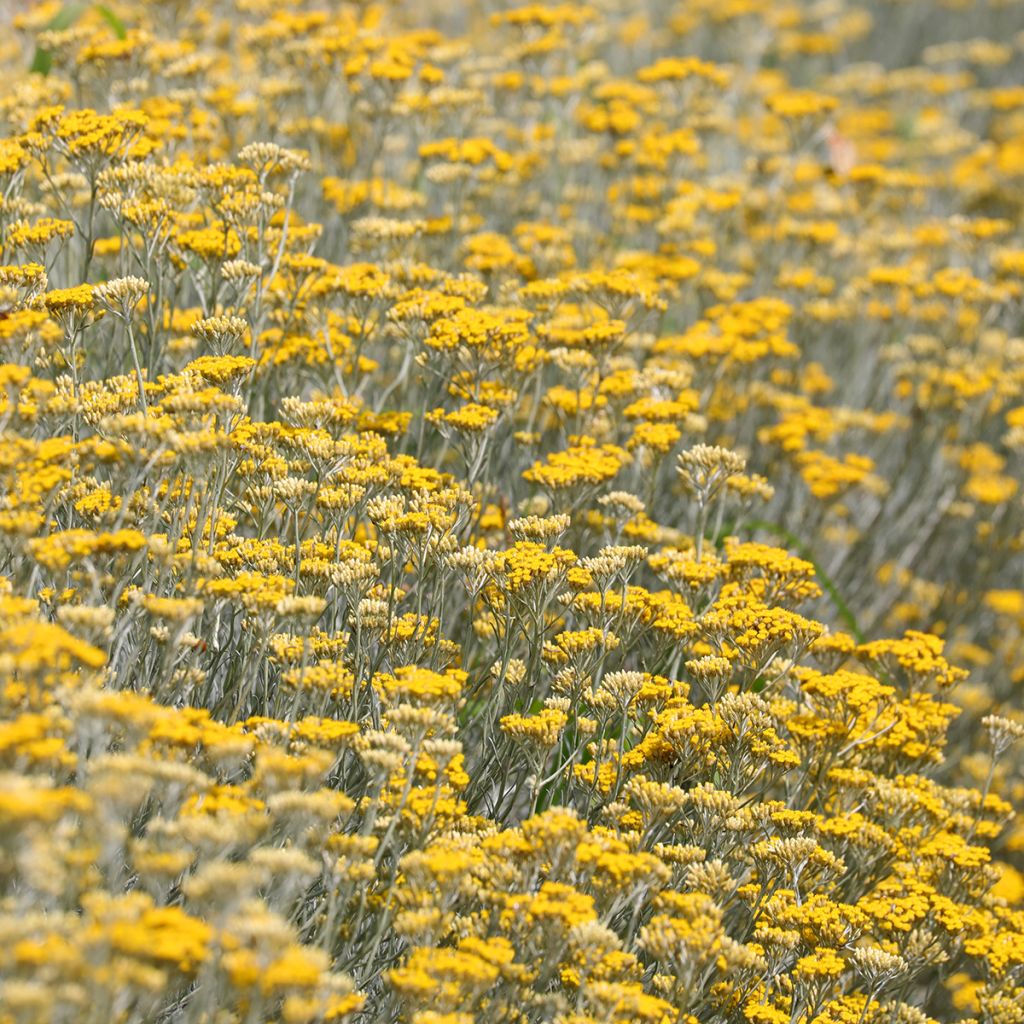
point(511, 513)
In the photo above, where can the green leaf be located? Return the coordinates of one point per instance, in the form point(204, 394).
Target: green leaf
point(66, 17)
point(42, 60)
point(112, 20)
point(805, 552)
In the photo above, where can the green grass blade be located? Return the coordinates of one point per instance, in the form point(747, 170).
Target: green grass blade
point(66, 17)
point(42, 60)
point(112, 20)
point(805, 552)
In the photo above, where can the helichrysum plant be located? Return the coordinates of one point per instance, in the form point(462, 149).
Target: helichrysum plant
point(511, 513)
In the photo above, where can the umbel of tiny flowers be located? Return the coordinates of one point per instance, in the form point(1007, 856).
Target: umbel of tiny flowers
point(120, 297)
point(1002, 734)
point(74, 309)
point(704, 470)
point(220, 332)
point(878, 968)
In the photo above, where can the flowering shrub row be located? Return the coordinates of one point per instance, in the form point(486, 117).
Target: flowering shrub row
point(511, 514)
